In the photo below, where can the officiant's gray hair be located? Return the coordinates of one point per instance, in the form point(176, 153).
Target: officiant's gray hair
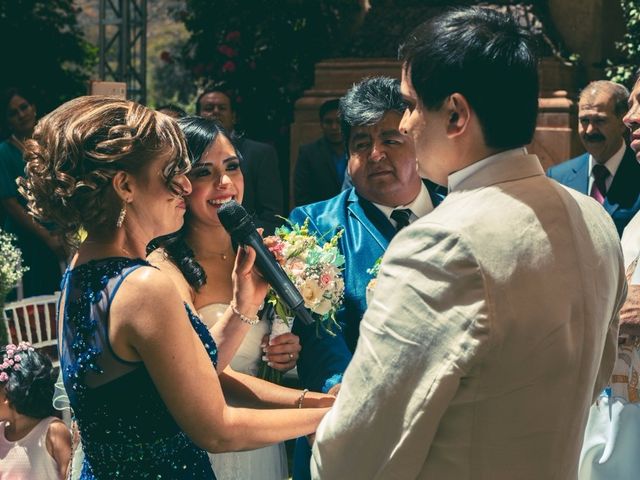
point(366, 103)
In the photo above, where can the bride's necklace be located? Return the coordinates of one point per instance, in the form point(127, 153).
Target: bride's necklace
point(223, 255)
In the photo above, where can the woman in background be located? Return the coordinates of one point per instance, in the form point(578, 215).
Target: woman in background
point(42, 252)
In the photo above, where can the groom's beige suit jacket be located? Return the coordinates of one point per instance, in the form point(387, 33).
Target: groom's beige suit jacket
point(492, 328)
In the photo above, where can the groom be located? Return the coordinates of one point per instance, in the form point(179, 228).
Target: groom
point(495, 317)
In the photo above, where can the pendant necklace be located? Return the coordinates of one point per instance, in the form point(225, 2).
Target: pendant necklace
point(223, 255)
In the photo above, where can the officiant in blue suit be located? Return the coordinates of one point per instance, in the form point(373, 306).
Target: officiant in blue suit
point(387, 195)
point(608, 171)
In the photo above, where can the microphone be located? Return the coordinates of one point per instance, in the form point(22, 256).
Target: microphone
point(237, 222)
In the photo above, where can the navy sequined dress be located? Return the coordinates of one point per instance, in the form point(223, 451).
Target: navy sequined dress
point(126, 430)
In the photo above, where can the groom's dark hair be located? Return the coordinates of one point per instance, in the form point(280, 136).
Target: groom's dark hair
point(485, 56)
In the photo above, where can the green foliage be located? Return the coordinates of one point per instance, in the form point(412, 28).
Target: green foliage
point(44, 50)
point(169, 81)
point(11, 268)
point(11, 271)
point(622, 69)
point(263, 52)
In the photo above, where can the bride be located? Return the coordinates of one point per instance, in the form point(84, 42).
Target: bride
point(200, 259)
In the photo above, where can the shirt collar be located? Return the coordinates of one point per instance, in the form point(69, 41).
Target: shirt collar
point(456, 178)
point(420, 206)
point(612, 164)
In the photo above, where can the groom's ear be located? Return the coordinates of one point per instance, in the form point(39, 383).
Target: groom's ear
point(458, 114)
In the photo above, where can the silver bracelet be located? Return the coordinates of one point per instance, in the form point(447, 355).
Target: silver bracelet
point(301, 399)
point(244, 318)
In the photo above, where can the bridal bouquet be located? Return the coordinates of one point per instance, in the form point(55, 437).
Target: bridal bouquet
point(315, 268)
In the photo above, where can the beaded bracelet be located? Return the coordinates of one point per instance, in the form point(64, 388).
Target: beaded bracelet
point(244, 318)
point(301, 399)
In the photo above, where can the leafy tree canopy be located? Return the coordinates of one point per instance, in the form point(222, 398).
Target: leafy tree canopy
point(623, 68)
point(44, 50)
point(263, 52)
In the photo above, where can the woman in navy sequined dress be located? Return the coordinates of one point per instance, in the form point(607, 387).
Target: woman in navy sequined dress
point(137, 363)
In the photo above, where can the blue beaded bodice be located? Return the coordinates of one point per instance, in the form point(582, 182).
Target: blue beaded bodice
point(126, 430)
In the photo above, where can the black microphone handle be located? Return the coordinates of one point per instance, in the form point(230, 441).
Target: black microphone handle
point(277, 277)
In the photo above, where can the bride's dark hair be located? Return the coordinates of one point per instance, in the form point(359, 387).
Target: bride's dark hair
point(200, 133)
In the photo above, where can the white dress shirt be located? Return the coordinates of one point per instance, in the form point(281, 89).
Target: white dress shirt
point(420, 206)
point(612, 165)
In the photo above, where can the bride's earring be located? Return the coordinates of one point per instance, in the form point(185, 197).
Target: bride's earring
point(123, 213)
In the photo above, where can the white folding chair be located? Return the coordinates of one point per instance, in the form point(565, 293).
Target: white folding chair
point(33, 320)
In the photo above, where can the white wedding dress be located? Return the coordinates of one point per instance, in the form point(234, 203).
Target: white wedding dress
point(268, 463)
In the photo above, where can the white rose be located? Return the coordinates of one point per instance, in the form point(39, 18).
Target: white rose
point(311, 292)
point(323, 307)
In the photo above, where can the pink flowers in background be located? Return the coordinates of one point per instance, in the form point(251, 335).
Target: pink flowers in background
point(229, 66)
point(228, 51)
point(232, 36)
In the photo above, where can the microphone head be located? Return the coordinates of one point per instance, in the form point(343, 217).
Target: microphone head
point(236, 220)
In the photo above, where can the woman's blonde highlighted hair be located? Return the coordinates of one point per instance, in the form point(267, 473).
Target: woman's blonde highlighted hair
point(77, 149)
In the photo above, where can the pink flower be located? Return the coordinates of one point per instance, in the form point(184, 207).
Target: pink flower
point(4, 377)
point(229, 66)
point(233, 36)
point(275, 246)
point(325, 279)
point(296, 266)
point(16, 367)
point(227, 51)
point(17, 358)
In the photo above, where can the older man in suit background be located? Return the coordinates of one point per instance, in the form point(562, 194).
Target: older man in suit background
point(608, 171)
point(387, 195)
point(470, 364)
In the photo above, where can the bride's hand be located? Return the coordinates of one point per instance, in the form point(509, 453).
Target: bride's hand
point(249, 287)
point(283, 351)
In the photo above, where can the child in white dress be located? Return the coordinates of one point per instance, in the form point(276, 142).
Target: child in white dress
point(33, 444)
